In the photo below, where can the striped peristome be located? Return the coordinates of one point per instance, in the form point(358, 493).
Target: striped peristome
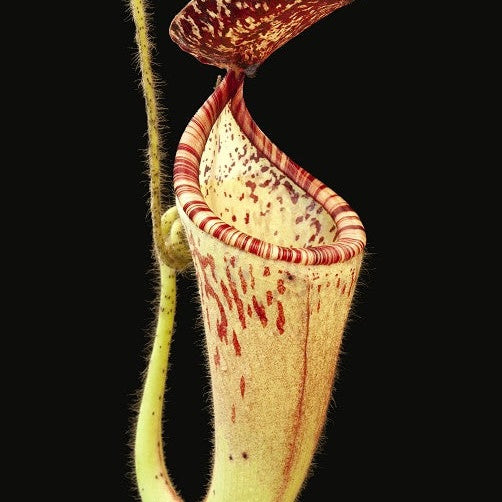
point(349, 239)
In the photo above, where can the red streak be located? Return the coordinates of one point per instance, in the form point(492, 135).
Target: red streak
point(246, 218)
point(243, 386)
point(352, 279)
point(226, 294)
point(243, 281)
point(204, 262)
point(260, 311)
point(280, 318)
point(280, 286)
point(252, 276)
point(237, 298)
point(236, 344)
point(270, 297)
point(250, 311)
point(217, 357)
point(233, 414)
point(266, 271)
point(294, 443)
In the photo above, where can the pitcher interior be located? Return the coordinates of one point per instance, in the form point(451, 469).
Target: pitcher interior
point(247, 191)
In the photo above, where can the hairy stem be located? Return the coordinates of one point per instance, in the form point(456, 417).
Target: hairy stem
point(138, 9)
point(151, 474)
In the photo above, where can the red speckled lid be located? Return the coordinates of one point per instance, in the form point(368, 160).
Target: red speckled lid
point(242, 34)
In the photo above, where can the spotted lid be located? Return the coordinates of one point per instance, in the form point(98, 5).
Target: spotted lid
point(240, 35)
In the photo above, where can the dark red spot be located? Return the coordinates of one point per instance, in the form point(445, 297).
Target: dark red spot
point(232, 261)
point(319, 288)
point(244, 455)
point(260, 311)
point(252, 186)
point(317, 224)
point(236, 344)
point(299, 219)
point(243, 386)
point(292, 193)
point(246, 218)
point(280, 286)
point(217, 357)
point(244, 151)
point(280, 318)
point(318, 305)
point(270, 297)
point(234, 218)
point(250, 311)
point(343, 289)
point(311, 206)
point(241, 197)
point(266, 271)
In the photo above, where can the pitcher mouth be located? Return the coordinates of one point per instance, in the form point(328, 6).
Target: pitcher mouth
point(349, 236)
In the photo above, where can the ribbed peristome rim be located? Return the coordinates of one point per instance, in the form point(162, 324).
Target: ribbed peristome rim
point(350, 237)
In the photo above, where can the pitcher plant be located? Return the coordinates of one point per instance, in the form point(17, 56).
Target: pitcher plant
point(276, 254)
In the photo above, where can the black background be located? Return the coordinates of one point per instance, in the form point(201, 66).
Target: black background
point(408, 87)
point(358, 68)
